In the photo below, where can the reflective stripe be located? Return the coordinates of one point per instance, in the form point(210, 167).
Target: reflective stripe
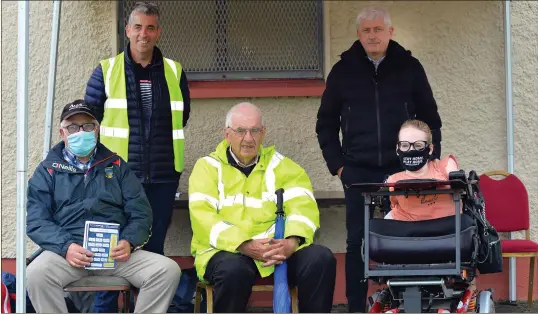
point(178, 134)
point(266, 196)
point(270, 179)
point(220, 185)
point(253, 202)
point(108, 73)
point(194, 197)
point(215, 232)
point(215, 163)
point(116, 103)
point(296, 192)
point(266, 233)
point(241, 199)
point(204, 251)
point(302, 219)
point(114, 132)
point(172, 64)
point(176, 105)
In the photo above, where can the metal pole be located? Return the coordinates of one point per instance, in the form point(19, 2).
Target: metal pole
point(22, 151)
point(509, 123)
point(49, 111)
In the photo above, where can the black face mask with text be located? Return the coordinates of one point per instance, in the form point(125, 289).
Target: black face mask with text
point(413, 160)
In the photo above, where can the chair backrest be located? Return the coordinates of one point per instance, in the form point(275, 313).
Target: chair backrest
point(5, 302)
point(507, 201)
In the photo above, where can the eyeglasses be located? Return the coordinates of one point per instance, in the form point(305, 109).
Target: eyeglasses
point(242, 131)
point(418, 145)
point(74, 128)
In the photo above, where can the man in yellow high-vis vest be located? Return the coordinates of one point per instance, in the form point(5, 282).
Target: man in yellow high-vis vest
point(143, 104)
point(232, 207)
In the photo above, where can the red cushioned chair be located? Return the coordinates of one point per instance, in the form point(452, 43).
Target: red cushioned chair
point(507, 209)
point(5, 302)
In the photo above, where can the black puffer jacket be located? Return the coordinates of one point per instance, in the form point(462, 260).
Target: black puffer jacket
point(370, 106)
point(151, 157)
point(61, 198)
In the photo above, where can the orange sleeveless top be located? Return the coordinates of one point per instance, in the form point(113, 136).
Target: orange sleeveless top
point(423, 207)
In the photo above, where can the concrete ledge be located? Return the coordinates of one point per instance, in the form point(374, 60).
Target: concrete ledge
point(324, 199)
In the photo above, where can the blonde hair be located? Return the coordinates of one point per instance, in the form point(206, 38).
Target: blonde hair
point(419, 125)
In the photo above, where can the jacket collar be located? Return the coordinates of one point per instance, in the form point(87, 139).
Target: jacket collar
point(264, 156)
point(156, 59)
point(356, 52)
point(54, 159)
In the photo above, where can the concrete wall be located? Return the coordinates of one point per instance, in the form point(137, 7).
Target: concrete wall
point(85, 38)
point(459, 43)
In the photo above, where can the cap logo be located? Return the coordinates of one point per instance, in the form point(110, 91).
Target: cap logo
point(76, 106)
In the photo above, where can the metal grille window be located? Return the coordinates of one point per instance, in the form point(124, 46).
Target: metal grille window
point(227, 39)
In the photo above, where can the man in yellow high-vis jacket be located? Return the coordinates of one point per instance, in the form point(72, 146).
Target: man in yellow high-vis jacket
point(232, 206)
point(143, 104)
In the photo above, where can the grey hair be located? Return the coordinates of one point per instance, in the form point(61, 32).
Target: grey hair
point(148, 8)
point(234, 110)
point(372, 13)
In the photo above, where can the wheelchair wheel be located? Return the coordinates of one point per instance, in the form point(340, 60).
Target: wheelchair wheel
point(485, 302)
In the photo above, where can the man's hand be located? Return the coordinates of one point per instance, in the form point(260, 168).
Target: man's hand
point(339, 172)
point(77, 256)
point(255, 249)
point(280, 253)
point(121, 252)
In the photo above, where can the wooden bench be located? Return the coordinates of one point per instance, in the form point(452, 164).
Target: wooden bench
point(103, 283)
point(261, 285)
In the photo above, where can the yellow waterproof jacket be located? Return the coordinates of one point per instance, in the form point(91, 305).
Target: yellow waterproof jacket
point(227, 208)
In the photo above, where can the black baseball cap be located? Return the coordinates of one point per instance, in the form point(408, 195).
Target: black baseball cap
point(75, 107)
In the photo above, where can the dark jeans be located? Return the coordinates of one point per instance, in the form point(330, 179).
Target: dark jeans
point(356, 284)
point(161, 197)
point(312, 269)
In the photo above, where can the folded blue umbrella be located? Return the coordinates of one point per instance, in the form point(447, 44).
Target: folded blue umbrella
point(281, 293)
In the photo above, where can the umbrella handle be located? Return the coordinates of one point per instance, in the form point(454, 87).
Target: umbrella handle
point(280, 202)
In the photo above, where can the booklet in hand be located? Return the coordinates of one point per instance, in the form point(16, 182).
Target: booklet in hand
point(100, 238)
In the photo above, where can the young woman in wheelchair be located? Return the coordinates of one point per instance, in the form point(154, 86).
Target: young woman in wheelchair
point(415, 234)
point(414, 148)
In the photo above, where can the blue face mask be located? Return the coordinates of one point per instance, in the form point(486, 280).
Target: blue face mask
point(82, 143)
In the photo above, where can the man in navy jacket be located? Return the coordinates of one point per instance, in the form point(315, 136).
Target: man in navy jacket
point(370, 92)
point(81, 180)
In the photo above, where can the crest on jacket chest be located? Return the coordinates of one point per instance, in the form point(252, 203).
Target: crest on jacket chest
point(109, 172)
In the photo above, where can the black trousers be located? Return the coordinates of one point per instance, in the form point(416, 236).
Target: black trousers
point(161, 197)
point(312, 269)
point(356, 284)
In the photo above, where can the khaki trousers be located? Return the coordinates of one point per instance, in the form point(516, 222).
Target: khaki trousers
point(157, 277)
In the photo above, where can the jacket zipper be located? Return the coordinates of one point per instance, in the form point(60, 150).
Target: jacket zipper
point(145, 149)
point(379, 157)
point(151, 124)
point(144, 164)
point(346, 129)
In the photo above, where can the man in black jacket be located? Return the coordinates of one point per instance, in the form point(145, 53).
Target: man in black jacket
point(81, 180)
point(370, 92)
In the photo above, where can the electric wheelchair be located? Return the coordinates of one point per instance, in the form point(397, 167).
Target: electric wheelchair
point(429, 266)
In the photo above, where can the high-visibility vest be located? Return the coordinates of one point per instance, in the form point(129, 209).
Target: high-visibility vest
point(114, 131)
point(227, 208)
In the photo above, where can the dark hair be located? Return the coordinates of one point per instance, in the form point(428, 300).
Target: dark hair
point(148, 8)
